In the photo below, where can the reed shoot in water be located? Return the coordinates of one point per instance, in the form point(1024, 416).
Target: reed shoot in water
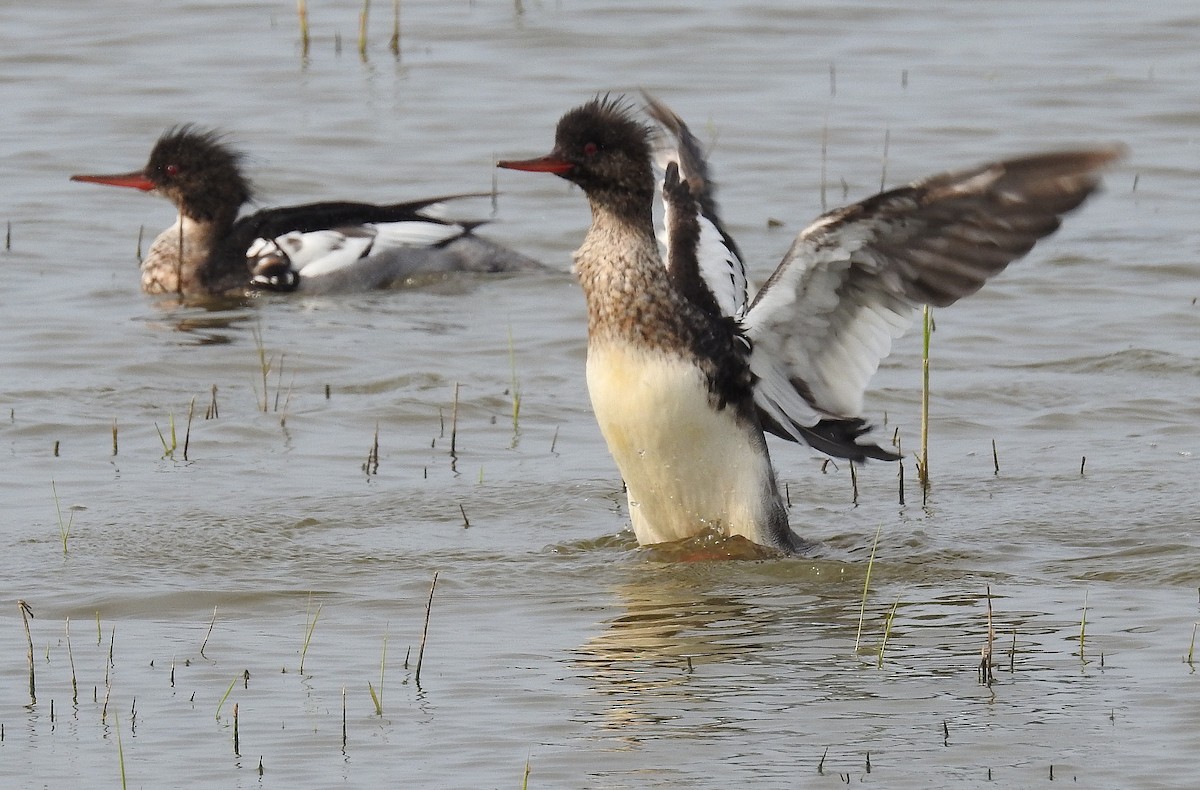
point(64, 529)
point(454, 426)
point(1083, 625)
point(208, 633)
point(264, 366)
point(515, 388)
point(371, 465)
point(425, 630)
point(362, 29)
point(887, 631)
point(985, 663)
point(862, 609)
point(26, 613)
point(187, 434)
point(71, 660)
point(225, 696)
point(394, 41)
point(236, 745)
point(377, 699)
point(212, 412)
point(309, 627)
point(120, 751)
point(168, 449)
point(302, 12)
point(923, 464)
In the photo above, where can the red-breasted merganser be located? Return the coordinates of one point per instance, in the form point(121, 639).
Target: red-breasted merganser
point(314, 248)
point(685, 375)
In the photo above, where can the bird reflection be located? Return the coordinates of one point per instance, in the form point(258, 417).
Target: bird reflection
point(672, 625)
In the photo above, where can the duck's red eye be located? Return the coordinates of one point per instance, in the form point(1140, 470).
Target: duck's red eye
point(172, 170)
point(590, 149)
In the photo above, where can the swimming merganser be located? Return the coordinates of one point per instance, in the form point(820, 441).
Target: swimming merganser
point(685, 376)
point(318, 247)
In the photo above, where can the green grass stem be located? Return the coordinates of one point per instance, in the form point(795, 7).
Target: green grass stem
point(225, 696)
point(120, 751)
point(362, 29)
point(887, 630)
point(310, 626)
point(515, 387)
point(71, 660)
point(378, 698)
point(64, 530)
point(862, 609)
point(926, 332)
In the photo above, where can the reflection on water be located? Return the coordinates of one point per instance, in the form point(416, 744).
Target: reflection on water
point(204, 323)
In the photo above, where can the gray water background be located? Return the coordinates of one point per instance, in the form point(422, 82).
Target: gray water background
point(554, 643)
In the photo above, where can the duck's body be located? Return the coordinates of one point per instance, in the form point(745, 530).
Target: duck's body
point(684, 377)
point(671, 390)
point(314, 248)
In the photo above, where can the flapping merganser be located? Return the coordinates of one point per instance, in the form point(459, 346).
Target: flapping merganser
point(685, 374)
point(317, 247)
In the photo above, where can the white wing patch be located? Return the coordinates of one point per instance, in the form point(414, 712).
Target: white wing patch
point(321, 252)
point(723, 271)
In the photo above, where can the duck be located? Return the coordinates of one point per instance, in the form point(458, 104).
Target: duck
point(687, 375)
point(212, 250)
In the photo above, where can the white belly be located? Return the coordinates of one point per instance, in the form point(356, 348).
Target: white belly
point(687, 467)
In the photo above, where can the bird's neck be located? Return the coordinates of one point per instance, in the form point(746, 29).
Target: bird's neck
point(186, 259)
point(629, 297)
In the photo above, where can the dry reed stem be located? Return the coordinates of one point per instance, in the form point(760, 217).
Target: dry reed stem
point(302, 12)
point(187, 434)
point(985, 663)
point(208, 633)
point(927, 330)
point(26, 613)
point(394, 41)
point(454, 424)
point(425, 630)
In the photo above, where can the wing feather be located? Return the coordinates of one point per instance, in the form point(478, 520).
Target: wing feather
point(720, 261)
point(847, 287)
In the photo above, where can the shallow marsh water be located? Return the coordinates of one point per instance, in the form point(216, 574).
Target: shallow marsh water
point(555, 643)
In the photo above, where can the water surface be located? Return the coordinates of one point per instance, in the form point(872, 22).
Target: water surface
point(553, 642)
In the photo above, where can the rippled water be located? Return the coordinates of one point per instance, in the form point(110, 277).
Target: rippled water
point(554, 644)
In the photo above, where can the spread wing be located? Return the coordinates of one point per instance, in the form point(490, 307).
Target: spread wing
point(849, 284)
point(720, 262)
